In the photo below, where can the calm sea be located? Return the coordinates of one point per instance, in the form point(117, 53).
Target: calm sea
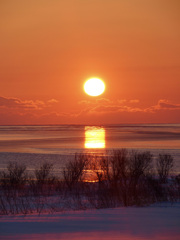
point(57, 143)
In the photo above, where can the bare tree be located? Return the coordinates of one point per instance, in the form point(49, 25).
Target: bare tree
point(73, 170)
point(124, 172)
point(44, 174)
point(140, 166)
point(45, 180)
point(117, 171)
point(164, 163)
point(15, 176)
point(98, 165)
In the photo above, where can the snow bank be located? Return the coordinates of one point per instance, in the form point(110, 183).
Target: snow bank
point(157, 223)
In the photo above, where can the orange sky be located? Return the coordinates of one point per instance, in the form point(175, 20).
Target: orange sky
point(48, 48)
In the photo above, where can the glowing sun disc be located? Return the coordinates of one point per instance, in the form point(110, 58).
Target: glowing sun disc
point(94, 87)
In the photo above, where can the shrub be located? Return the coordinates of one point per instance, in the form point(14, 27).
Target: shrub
point(45, 180)
point(44, 174)
point(73, 170)
point(124, 172)
point(15, 176)
point(164, 163)
point(97, 164)
point(139, 167)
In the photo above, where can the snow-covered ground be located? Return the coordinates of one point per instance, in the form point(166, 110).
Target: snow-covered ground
point(155, 222)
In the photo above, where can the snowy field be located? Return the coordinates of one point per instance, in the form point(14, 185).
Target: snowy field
point(157, 222)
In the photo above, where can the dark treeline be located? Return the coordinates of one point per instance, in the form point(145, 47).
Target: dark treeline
point(121, 178)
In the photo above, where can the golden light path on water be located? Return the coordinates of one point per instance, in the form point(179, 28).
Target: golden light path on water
point(94, 137)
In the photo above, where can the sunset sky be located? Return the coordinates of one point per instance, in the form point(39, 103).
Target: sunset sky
point(49, 48)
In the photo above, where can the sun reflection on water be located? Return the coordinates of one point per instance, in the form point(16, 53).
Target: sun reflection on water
point(94, 137)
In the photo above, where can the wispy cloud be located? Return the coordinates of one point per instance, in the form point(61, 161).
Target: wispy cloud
point(17, 103)
point(15, 110)
point(53, 101)
point(163, 104)
point(104, 106)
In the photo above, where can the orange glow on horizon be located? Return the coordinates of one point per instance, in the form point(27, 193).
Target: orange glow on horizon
point(45, 60)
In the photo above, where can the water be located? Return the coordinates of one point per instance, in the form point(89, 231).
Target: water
point(57, 143)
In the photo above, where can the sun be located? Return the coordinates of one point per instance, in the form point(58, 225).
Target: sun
point(94, 87)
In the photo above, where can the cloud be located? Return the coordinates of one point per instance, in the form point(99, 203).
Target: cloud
point(16, 103)
point(53, 101)
point(20, 104)
point(17, 111)
point(105, 106)
point(115, 109)
point(121, 101)
point(96, 101)
point(163, 104)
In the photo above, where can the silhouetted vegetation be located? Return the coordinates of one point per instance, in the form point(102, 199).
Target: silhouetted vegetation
point(73, 170)
point(45, 179)
point(119, 178)
point(164, 165)
point(15, 176)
